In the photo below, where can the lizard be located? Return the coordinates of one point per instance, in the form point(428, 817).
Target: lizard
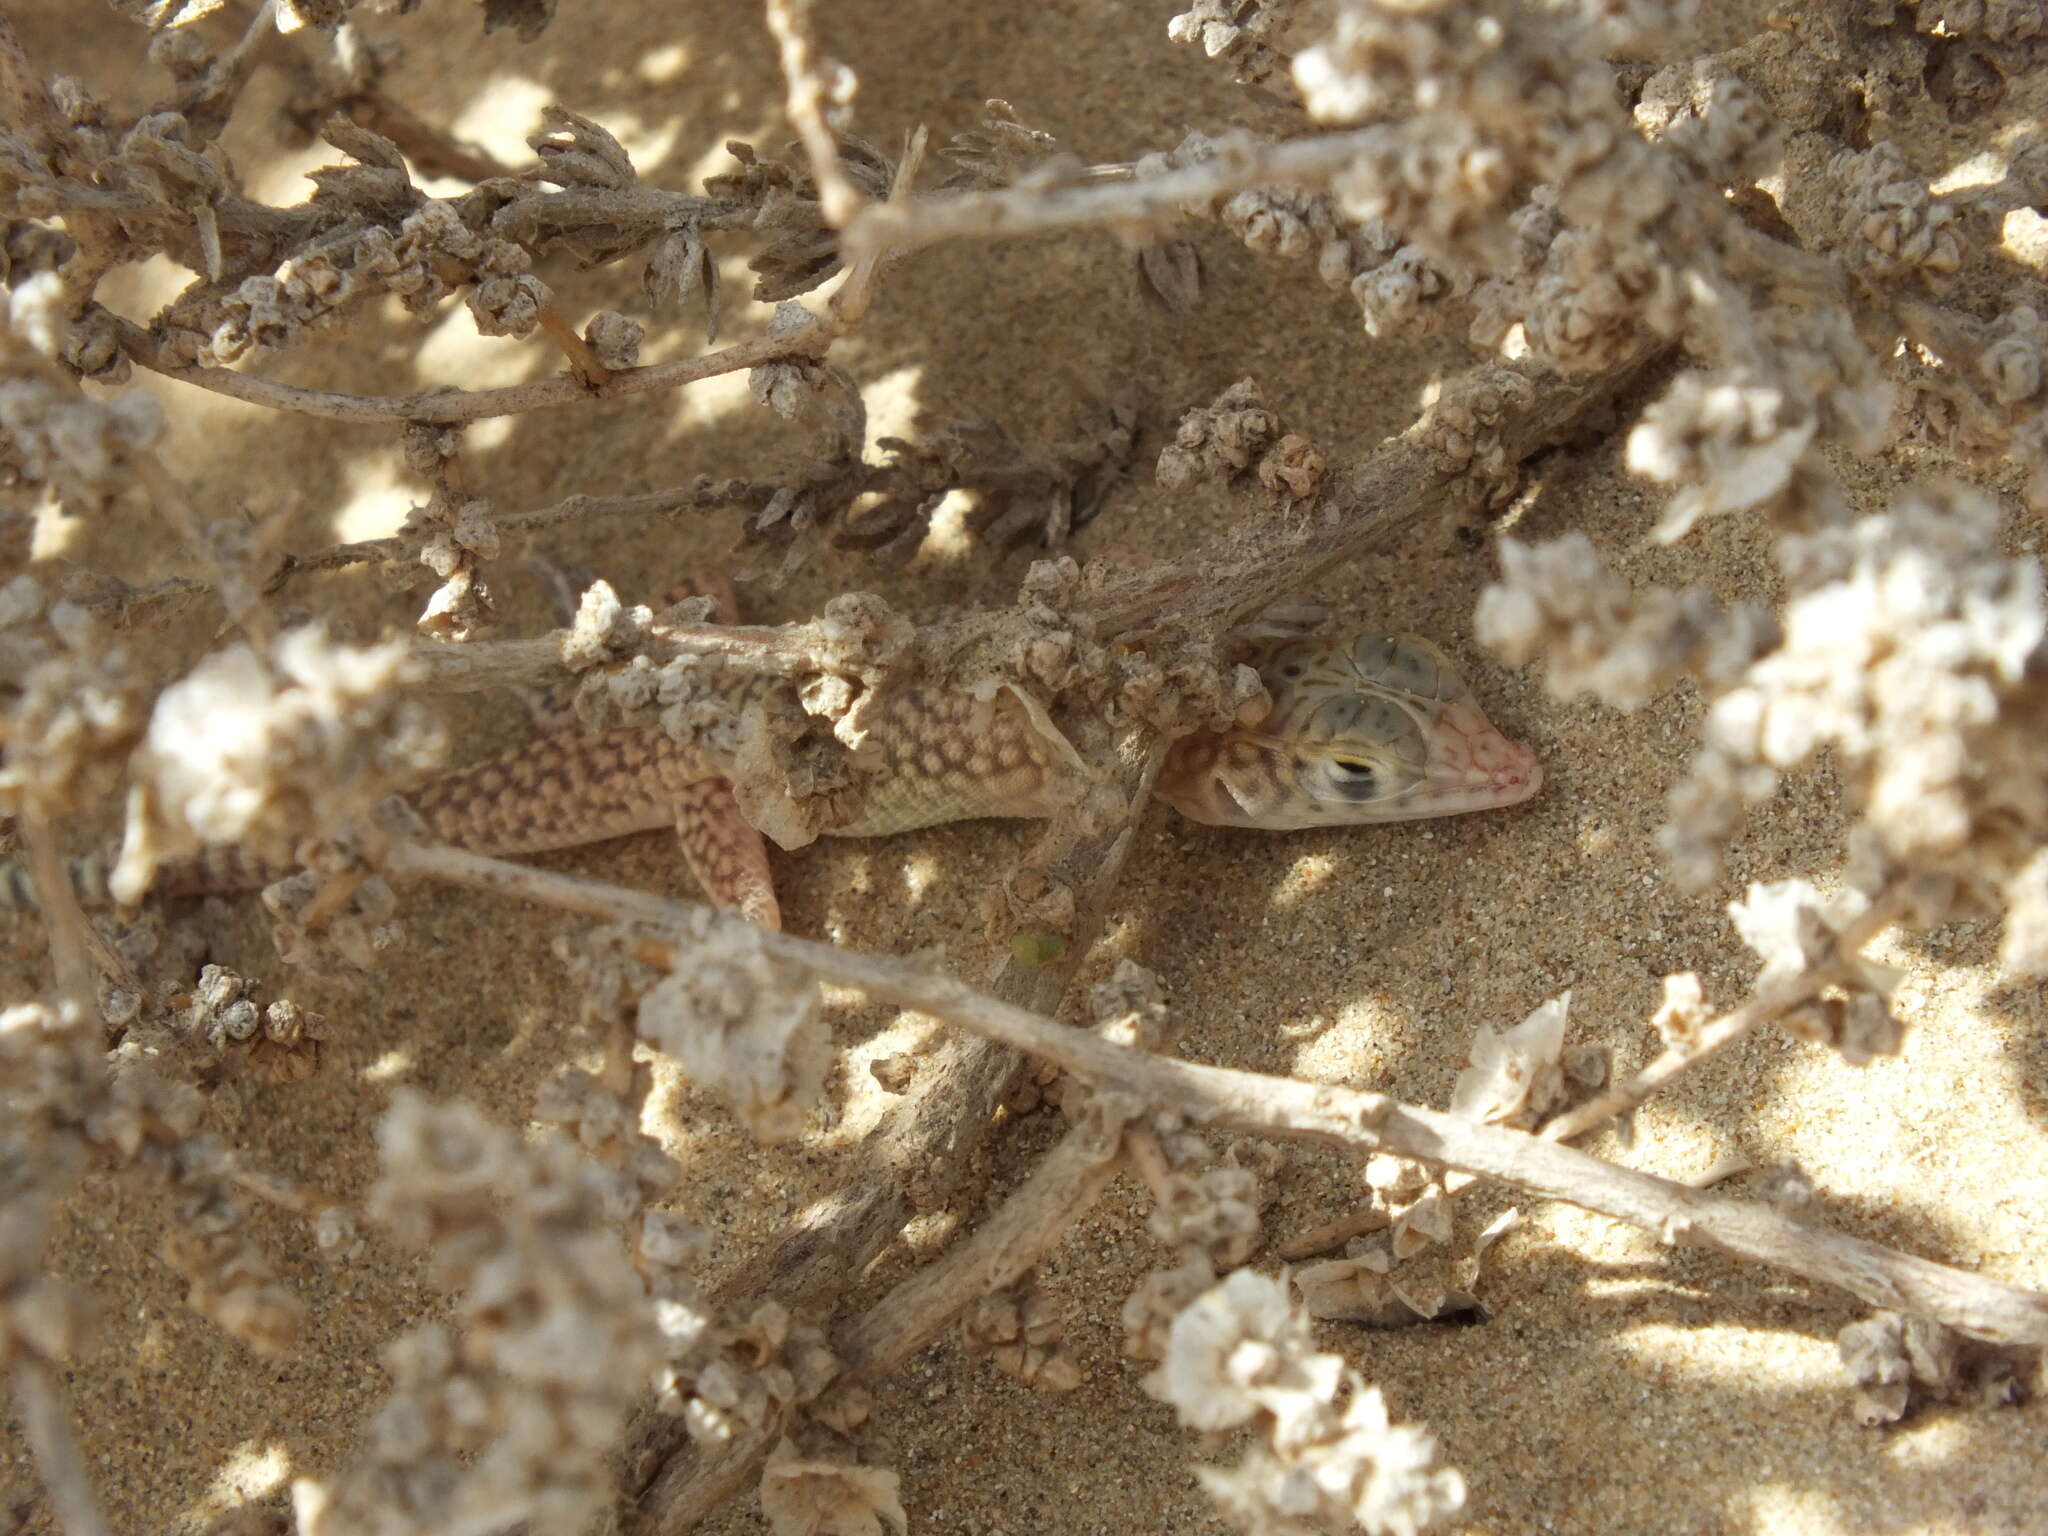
point(1364, 729)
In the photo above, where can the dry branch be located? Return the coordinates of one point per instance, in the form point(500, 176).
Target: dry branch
point(1224, 1099)
point(1463, 453)
point(460, 405)
point(1113, 195)
point(1764, 209)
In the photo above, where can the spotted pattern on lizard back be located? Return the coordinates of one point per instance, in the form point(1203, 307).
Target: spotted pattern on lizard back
point(1370, 729)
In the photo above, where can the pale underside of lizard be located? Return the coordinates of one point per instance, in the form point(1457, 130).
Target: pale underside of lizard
point(1362, 730)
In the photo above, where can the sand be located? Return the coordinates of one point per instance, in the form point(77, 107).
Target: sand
point(1619, 1386)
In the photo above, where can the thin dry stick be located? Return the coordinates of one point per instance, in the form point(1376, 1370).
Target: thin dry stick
point(838, 199)
point(583, 364)
point(1111, 195)
point(701, 494)
point(458, 405)
point(1223, 1099)
point(1712, 1039)
point(779, 650)
point(209, 101)
point(1229, 1100)
point(1770, 1003)
point(169, 497)
point(1000, 1251)
point(71, 936)
point(46, 1425)
point(843, 311)
point(1513, 410)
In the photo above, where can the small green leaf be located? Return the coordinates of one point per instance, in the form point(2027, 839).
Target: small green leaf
point(1034, 948)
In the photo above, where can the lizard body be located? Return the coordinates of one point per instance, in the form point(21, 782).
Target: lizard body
point(1364, 730)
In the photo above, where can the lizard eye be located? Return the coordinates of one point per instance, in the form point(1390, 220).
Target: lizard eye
point(1355, 779)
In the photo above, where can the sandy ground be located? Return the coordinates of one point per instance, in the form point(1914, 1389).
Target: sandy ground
point(1619, 1387)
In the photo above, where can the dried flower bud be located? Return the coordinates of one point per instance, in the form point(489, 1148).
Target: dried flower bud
point(614, 338)
point(1601, 637)
point(1891, 225)
point(806, 1498)
point(261, 751)
point(680, 267)
point(505, 300)
point(745, 1028)
point(574, 151)
point(1515, 1078)
point(1895, 1359)
point(1216, 1210)
point(1683, 1011)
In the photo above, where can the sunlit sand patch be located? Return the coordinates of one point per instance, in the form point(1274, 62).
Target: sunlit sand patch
point(1779, 1507)
point(54, 535)
point(1327, 1055)
point(665, 1119)
point(865, 1101)
point(454, 353)
point(377, 503)
point(711, 400)
point(1724, 1354)
point(2024, 236)
point(139, 289)
point(1980, 170)
point(389, 1067)
point(920, 870)
point(892, 403)
point(646, 143)
point(659, 66)
point(946, 536)
point(1929, 1442)
point(930, 1231)
point(499, 117)
point(1351, 1048)
point(1306, 876)
point(250, 1472)
point(280, 178)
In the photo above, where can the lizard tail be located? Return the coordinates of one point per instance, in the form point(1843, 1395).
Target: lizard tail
point(558, 791)
point(216, 871)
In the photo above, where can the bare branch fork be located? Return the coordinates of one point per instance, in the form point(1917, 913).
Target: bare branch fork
point(917, 1158)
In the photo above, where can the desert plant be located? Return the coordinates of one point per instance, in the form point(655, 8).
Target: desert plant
point(1787, 279)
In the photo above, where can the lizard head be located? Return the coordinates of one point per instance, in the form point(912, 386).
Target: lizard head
point(1368, 729)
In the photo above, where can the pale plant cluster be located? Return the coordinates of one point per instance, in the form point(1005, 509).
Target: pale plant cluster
point(1585, 199)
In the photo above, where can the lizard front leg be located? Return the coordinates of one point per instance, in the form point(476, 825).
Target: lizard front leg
point(725, 853)
point(720, 845)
